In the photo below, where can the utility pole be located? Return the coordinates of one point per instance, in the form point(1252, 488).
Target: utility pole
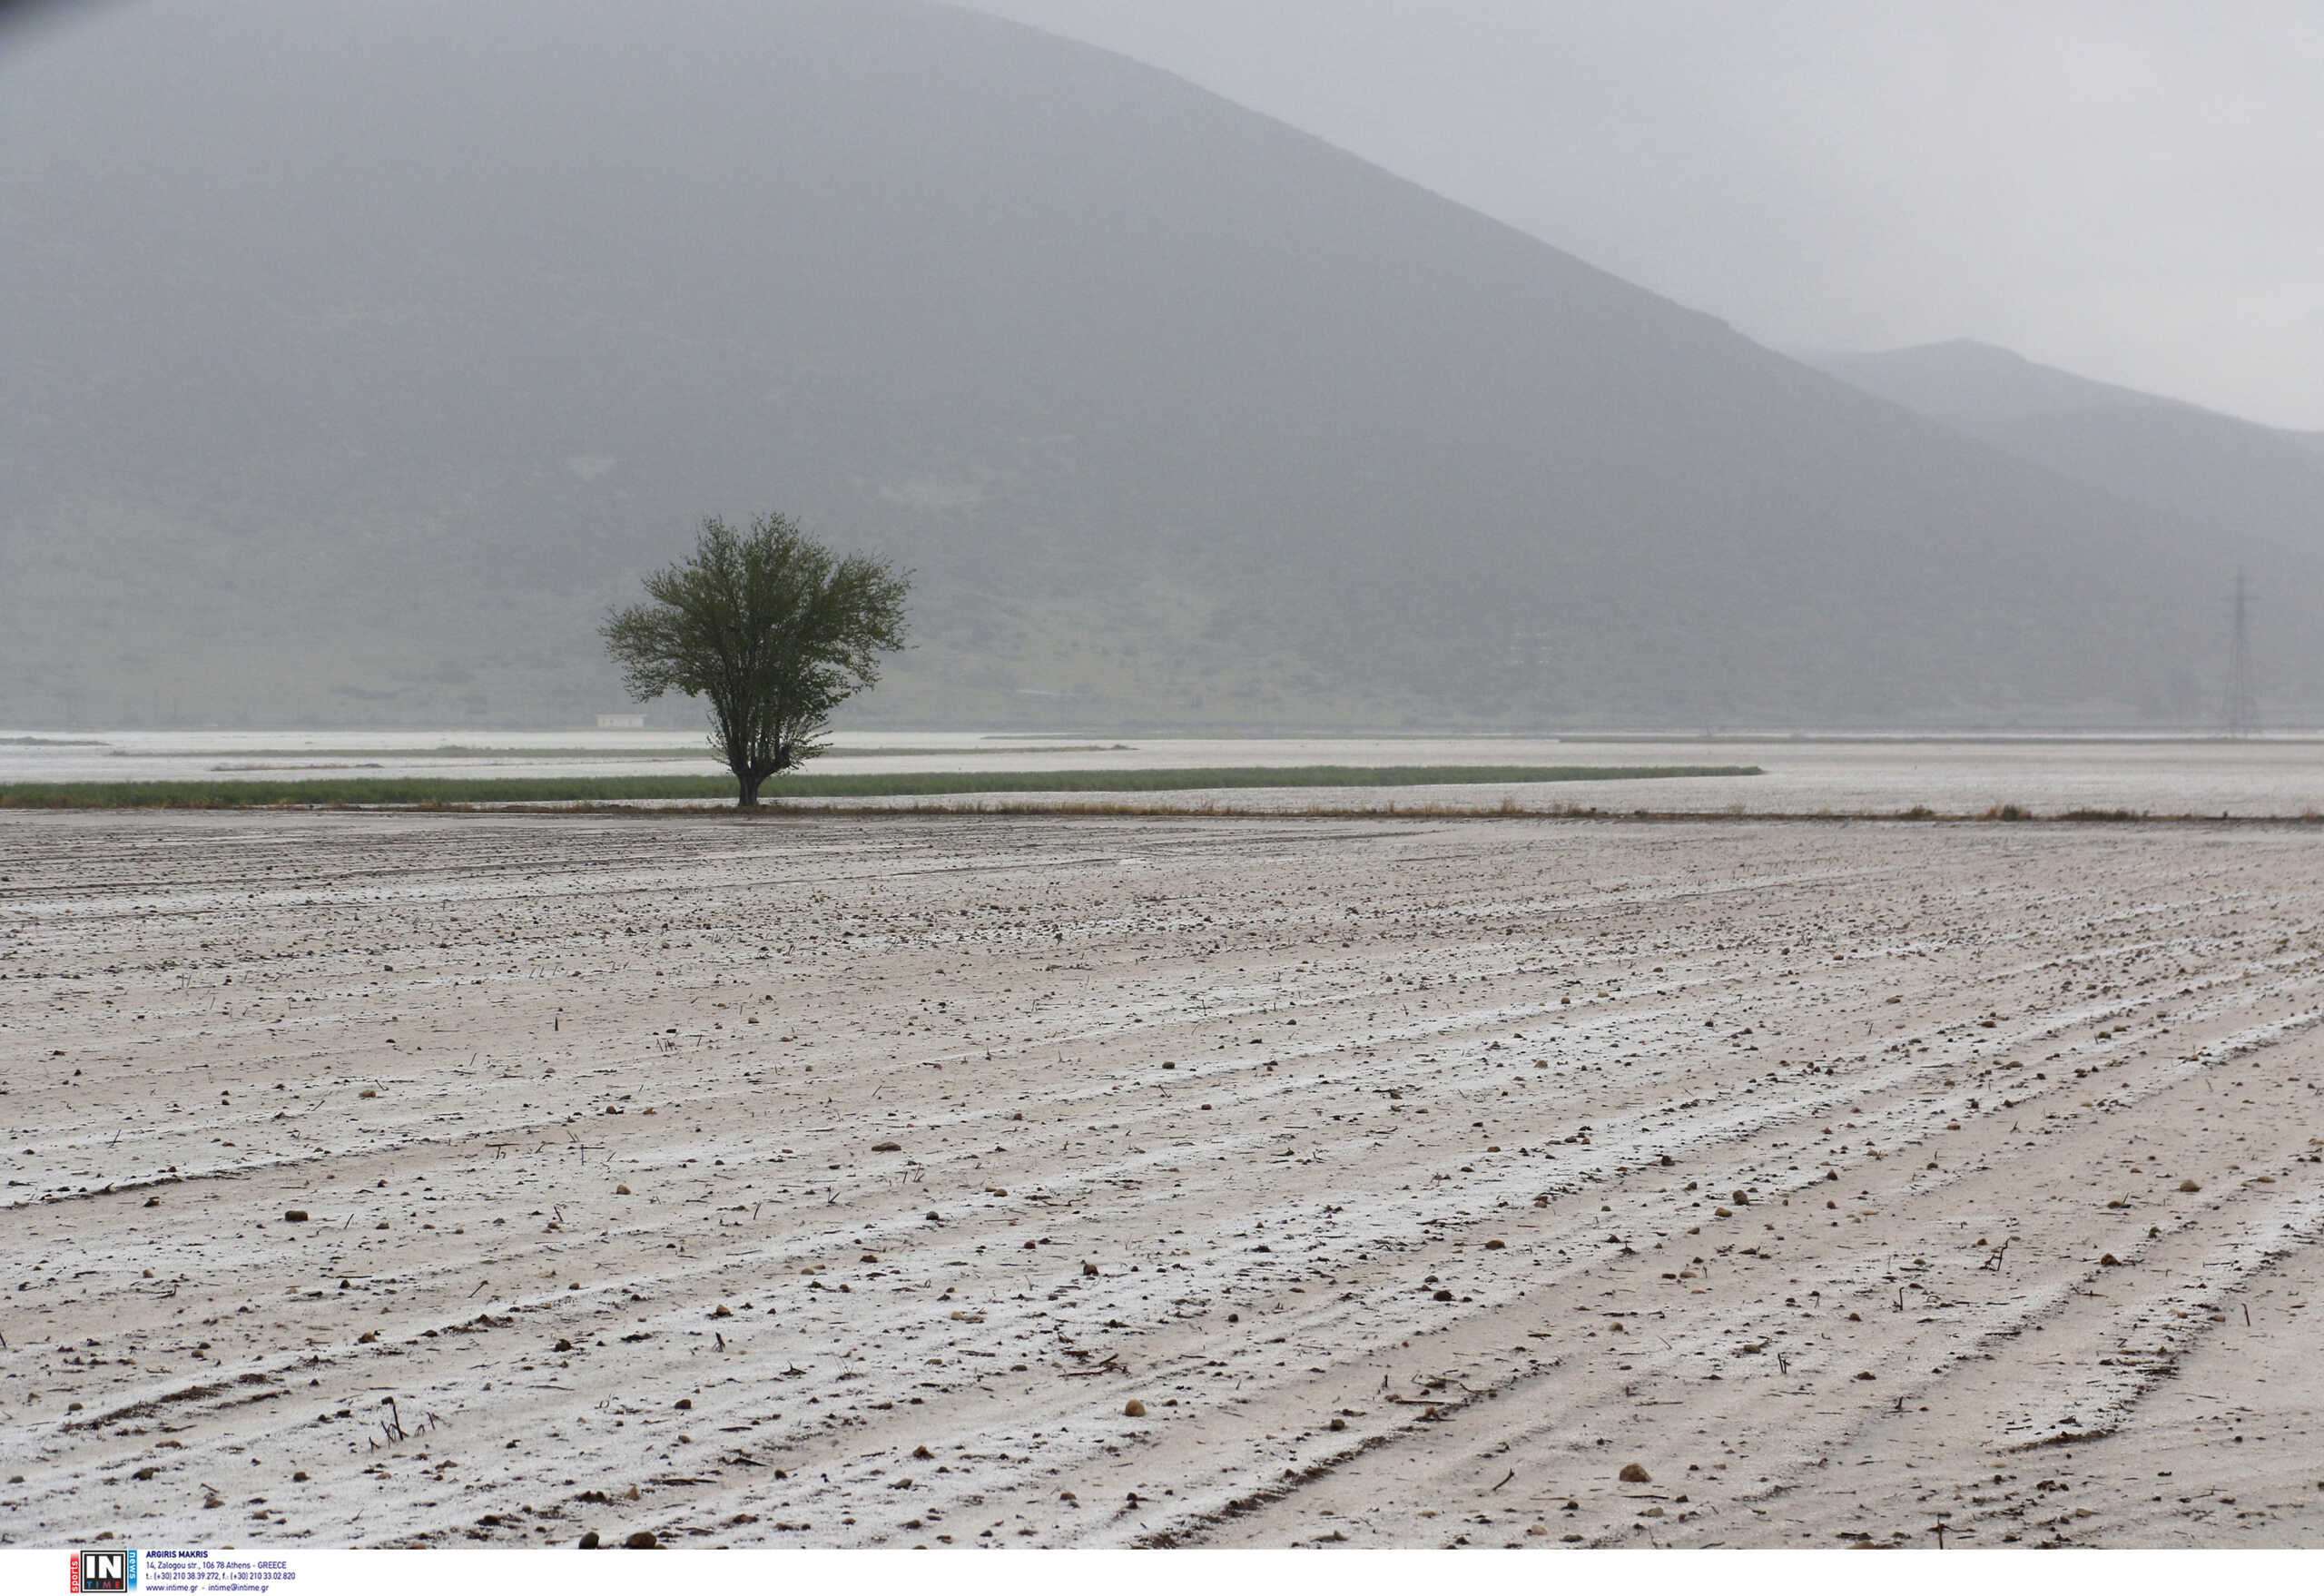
point(2242, 701)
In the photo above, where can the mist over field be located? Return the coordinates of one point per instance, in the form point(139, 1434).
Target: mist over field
point(356, 358)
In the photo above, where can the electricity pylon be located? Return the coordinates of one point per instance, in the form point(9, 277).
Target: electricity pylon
point(2242, 700)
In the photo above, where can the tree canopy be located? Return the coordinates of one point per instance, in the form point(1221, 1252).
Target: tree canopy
point(771, 629)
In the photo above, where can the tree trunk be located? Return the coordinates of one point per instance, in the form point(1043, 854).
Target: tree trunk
point(749, 796)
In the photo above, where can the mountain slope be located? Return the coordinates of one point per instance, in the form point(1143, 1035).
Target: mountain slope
point(2251, 494)
point(355, 358)
point(1979, 384)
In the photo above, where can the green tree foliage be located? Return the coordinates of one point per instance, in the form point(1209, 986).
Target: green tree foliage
point(772, 629)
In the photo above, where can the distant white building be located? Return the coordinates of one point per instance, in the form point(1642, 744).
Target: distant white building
point(621, 722)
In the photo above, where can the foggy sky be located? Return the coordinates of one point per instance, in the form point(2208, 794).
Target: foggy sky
point(2131, 190)
point(2127, 189)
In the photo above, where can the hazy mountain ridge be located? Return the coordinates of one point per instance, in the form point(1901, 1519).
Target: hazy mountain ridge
point(2253, 493)
point(353, 364)
point(1979, 383)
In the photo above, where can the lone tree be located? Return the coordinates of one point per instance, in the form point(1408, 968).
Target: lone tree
point(773, 629)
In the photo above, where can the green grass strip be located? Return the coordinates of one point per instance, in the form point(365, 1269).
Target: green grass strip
point(446, 790)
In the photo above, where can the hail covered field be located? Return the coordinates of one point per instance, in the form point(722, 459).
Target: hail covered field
point(949, 1179)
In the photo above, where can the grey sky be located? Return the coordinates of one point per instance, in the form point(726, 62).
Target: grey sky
point(2132, 191)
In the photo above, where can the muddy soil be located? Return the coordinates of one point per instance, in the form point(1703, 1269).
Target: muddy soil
point(393, 1179)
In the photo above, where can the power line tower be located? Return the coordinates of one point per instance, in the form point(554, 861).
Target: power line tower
point(2242, 699)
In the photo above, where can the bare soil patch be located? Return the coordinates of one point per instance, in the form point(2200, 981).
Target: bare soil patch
point(843, 1181)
